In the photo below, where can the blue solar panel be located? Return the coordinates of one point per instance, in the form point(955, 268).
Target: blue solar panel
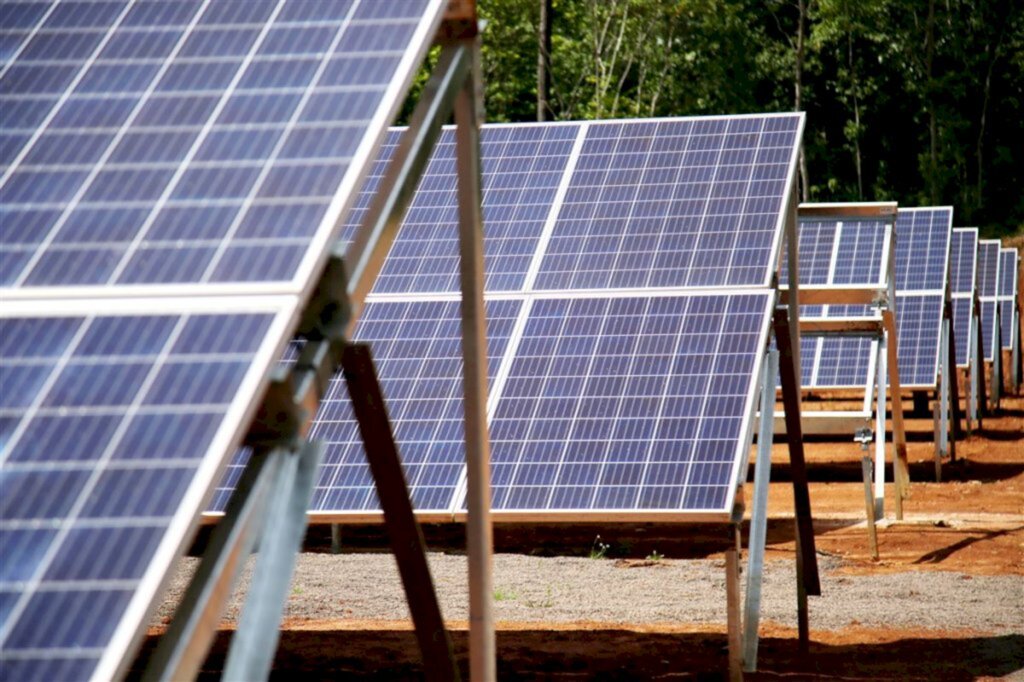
point(963, 266)
point(628, 403)
point(192, 143)
point(112, 430)
point(839, 251)
point(1008, 296)
point(859, 258)
point(988, 267)
point(522, 167)
point(988, 288)
point(919, 325)
point(922, 248)
point(963, 261)
point(678, 202)
point(418, 353)
point(963, 308)
point(988, 328)
point(842, 362)
point(815, 248)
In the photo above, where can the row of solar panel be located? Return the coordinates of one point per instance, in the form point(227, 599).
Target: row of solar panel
point(631, 402)
point(601, 205)
point(855, 251)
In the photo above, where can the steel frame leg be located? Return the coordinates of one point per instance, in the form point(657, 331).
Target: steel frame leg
point(944, 393)
point(267, 510)
point(881, 381)
point(759, 514)
point(972, 353)
point(254, 643)
point(1015, 359)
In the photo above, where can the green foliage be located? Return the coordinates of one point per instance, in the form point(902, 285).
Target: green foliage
point(884, 83)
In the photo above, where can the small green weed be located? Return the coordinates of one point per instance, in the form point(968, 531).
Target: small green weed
point(504, 595)
point(599, 550)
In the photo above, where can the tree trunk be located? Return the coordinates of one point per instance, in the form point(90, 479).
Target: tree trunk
point(798, 92)
point(933, 126)
point(856, 115)
point(544, 61)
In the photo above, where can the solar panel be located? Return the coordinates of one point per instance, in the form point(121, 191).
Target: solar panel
point(833, 251)
point(674, 203)
point(545, 187)
point(922, 248)
point(988, 286)
point(963, 266)
point(523, 167)
point(921, 258)
point(95, 498)
point(1008, 296)
point(628, 403)
point(963, 260)
point(193, 143)
point(963, 309)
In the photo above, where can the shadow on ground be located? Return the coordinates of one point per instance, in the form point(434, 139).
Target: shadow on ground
point(609, 654)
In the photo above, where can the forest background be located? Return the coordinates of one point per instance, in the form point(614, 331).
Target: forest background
point(917, 101)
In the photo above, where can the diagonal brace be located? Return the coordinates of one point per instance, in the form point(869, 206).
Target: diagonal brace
point(794, 435)
point(405, 535)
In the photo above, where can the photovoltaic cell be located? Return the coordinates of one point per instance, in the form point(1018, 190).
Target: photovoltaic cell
point(1008, 297)
point(522, 168)
point(536, 180)
point(674, 203)
point(190, 142)
point(628, 403)
point(815, 246)
point(112, 428)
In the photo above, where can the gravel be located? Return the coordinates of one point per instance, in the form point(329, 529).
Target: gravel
point(567, 589)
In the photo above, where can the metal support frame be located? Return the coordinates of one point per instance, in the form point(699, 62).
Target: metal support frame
point(948, 394)
point(759, 514)
point(997, 358)
point(266, 511)
point(881, 381)
point(1015, 356)
point(942, 441)
point(251, 654)
point(869, 507)
point(733, 606)
point(807, 562)
point(479, 538)
point(973, 420)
